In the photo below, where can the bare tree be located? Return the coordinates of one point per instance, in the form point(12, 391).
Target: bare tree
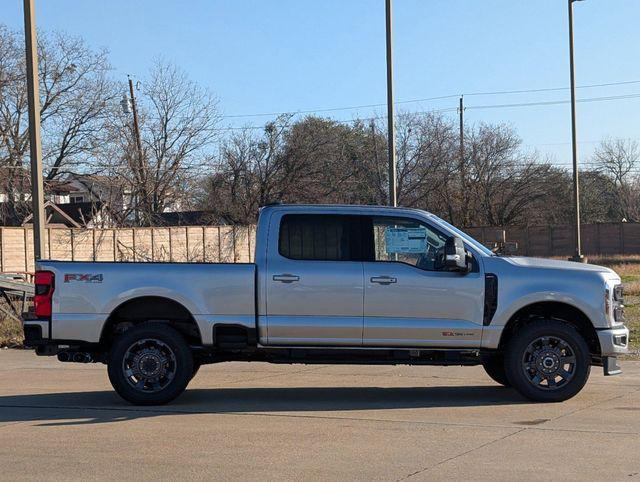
point(319, 160)
point(250, 173)
point(13, 144)
point(75, 96)
point(177, 123)
point(426, 149)
point(619, 161)
point(332, 161)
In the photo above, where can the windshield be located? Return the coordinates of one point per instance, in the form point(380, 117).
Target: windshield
point(476, 244)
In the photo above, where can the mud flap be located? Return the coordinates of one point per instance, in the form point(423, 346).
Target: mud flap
point(610, 366)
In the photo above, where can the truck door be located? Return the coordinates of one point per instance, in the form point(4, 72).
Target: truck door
point(407, 301)
point(314, 279)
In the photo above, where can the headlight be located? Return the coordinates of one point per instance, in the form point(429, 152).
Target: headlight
point(618, 293)
point(618, 303)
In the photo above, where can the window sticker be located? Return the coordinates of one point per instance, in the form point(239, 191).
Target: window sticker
point(405, 240)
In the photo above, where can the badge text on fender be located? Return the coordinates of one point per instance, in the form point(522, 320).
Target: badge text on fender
point(83, 278)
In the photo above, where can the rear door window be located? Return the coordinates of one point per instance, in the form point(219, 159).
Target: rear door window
point(320, 237)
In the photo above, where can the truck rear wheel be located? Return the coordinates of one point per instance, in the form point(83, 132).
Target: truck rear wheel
point(150, 364)
point(547, 361)
point(494, 366)
point(196, 367)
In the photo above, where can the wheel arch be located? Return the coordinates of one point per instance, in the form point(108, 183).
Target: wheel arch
point(142, 309)
point(555, 310)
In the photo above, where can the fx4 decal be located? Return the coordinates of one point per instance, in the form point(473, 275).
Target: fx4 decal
point(83, 278)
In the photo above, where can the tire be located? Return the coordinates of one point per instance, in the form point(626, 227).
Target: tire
point(150, 364)
point(494, 366)
point(547, 361)
point(196, 367)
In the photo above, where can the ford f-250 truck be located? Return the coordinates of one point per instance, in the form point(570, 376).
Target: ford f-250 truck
point(336, 284)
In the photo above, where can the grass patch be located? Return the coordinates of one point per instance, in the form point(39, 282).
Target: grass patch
point(631, 261)
point(632, 316)
point(10, 333)
point(629, 270)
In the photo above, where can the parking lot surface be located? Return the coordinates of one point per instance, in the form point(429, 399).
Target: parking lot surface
point(272, 422)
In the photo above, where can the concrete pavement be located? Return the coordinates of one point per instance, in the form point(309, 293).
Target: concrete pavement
point(272, 422)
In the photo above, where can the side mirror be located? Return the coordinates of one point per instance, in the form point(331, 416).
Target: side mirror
point(455, 256)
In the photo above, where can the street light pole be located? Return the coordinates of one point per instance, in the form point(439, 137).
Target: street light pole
point(574, 143)
point(393, 198)
point(35, 146)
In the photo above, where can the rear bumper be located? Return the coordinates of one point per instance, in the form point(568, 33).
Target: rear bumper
point(614, 341)
point(36, 335)
point(36, 332)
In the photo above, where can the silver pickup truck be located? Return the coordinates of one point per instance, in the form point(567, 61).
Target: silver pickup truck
point(336, 284)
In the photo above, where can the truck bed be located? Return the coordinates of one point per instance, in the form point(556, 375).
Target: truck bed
point(87, 292)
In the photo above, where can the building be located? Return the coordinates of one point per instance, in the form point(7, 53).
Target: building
point(72, 202)
point(84, 201)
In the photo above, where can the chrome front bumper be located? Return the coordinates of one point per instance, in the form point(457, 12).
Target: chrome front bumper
point(614, 341)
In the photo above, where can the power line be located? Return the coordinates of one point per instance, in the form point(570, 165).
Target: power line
point(476, 107)
point(555, 89)
point(580, 142)
point(335, 109)
point(555, 102)
point(340, 121)
point(427, 99)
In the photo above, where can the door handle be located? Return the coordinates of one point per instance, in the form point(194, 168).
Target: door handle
point(384, 280)
point(286, 278)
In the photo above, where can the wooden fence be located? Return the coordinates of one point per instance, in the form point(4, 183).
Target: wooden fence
point(235, 244)
point(547, 241)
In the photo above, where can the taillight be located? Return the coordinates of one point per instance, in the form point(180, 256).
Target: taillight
point(44, 293)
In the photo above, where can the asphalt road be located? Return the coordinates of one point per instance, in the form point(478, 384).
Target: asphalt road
point(274, 422)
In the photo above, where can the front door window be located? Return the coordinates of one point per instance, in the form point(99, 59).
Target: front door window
point(407, 241)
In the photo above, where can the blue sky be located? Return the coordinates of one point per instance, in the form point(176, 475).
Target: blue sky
point(290, 55)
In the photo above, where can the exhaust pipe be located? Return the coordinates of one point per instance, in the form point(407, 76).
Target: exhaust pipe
point(78, 357)
point(82, 357)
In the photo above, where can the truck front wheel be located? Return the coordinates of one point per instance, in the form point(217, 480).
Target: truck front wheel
point(547, 361)
point(494, 366)
point(150, 364)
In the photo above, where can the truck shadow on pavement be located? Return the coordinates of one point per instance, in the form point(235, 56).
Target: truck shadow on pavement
point(78, 408)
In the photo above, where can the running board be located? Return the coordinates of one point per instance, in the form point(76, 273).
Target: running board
point(350, 356)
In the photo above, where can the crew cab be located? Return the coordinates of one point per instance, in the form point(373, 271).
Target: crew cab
point(336, 284)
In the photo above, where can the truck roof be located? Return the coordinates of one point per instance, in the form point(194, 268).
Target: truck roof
point(333, 208)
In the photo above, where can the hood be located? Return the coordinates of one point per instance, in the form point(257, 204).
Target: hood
point(556, 264)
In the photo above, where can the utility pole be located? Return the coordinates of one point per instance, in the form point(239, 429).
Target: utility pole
point(574, 143)
point(136, 125)
point(463, 175)
point(461, 111)
point(393, 197)
point(35, 145)
point(136, 130)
